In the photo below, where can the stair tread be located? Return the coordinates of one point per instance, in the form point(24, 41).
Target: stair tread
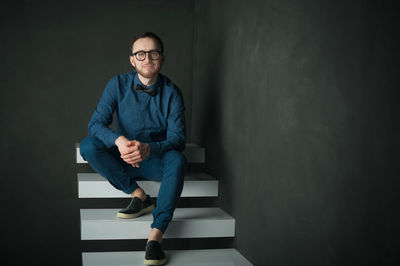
point(93, 185)
point(194, 153)
point(187, 222)
point(215, 257)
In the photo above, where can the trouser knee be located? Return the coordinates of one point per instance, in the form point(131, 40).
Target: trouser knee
point(90, 146)
point(174, 160)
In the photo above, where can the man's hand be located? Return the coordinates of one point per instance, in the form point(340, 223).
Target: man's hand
point(132, 151)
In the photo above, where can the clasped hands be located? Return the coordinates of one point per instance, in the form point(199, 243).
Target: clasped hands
point(132, 151)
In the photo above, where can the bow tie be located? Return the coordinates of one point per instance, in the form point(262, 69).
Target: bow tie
point(149, 91)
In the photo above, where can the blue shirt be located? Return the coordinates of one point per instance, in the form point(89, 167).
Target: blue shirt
point(158, 120)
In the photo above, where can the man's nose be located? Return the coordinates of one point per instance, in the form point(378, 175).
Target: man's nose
point(147, 59)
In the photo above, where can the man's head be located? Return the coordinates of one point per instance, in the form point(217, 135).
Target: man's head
point(147, 54)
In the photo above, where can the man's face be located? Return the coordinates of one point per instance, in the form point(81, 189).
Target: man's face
point(149, 67)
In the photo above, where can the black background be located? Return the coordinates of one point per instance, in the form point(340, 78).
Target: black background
point(296, 103)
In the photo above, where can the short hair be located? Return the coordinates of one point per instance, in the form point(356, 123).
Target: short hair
point(151, 35)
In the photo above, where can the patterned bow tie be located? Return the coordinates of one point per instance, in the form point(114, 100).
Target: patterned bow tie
point(149, 91)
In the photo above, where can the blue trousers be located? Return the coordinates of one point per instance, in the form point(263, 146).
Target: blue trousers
point(168, 167)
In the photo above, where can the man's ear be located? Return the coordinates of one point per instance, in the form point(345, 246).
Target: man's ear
point(132, 61)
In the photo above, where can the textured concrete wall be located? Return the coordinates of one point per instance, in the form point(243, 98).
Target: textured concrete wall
point(295, 104)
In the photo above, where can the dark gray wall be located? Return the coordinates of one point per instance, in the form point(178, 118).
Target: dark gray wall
point(295, 102)
point(57, 56)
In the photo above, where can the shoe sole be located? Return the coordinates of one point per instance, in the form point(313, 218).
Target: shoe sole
point(134, 215)
point(155, 262)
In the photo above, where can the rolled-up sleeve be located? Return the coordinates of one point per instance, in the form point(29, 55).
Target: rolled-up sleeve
point(103, 115)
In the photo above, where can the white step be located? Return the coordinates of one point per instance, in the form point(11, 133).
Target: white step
point(193, 153)
point(98, 224)
point(204, 257)
point(93, 185)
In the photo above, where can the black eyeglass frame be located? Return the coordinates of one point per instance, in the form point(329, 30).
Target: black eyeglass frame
point(147, 52)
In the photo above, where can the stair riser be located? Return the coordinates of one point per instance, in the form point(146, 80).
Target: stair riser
point(205, 257)
point(140, 230)
point(99, 224)
point(102, 189)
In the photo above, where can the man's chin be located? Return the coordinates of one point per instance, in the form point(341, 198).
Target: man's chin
point(148, 74)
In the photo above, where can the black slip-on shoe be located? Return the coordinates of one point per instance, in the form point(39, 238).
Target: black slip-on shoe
point(136, 208)
point(154, 254)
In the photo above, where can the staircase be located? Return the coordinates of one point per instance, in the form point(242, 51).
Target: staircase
point(103, 224)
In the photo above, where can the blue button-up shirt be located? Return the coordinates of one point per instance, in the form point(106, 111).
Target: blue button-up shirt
point(158, 120)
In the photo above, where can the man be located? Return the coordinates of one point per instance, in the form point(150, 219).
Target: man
point(147, 143)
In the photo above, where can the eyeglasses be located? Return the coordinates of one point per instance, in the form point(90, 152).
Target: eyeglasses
point(153, 55)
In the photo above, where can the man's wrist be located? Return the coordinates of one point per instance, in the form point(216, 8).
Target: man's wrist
point(119, 140)
point(116, 142)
